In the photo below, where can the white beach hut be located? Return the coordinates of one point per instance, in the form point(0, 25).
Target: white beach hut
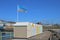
point(26, 29)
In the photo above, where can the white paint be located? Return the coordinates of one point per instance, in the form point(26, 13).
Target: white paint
point(20, 23)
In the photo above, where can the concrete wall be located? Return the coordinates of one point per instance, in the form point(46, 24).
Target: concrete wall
point(19, 39)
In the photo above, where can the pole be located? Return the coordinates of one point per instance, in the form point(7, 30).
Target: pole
point(17, 17)
point(17, 13)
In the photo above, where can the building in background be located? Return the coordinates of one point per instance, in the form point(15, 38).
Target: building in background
point(8, 25)
point(6, 30)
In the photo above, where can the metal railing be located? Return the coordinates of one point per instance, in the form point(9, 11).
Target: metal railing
point(6, 35)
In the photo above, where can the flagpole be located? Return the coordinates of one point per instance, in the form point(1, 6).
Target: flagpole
point(17, 17)
point(17, 14)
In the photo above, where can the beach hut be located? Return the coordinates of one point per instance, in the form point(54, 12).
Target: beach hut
point(26, 29)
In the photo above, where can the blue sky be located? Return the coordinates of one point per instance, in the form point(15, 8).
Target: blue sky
point(47, 11)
